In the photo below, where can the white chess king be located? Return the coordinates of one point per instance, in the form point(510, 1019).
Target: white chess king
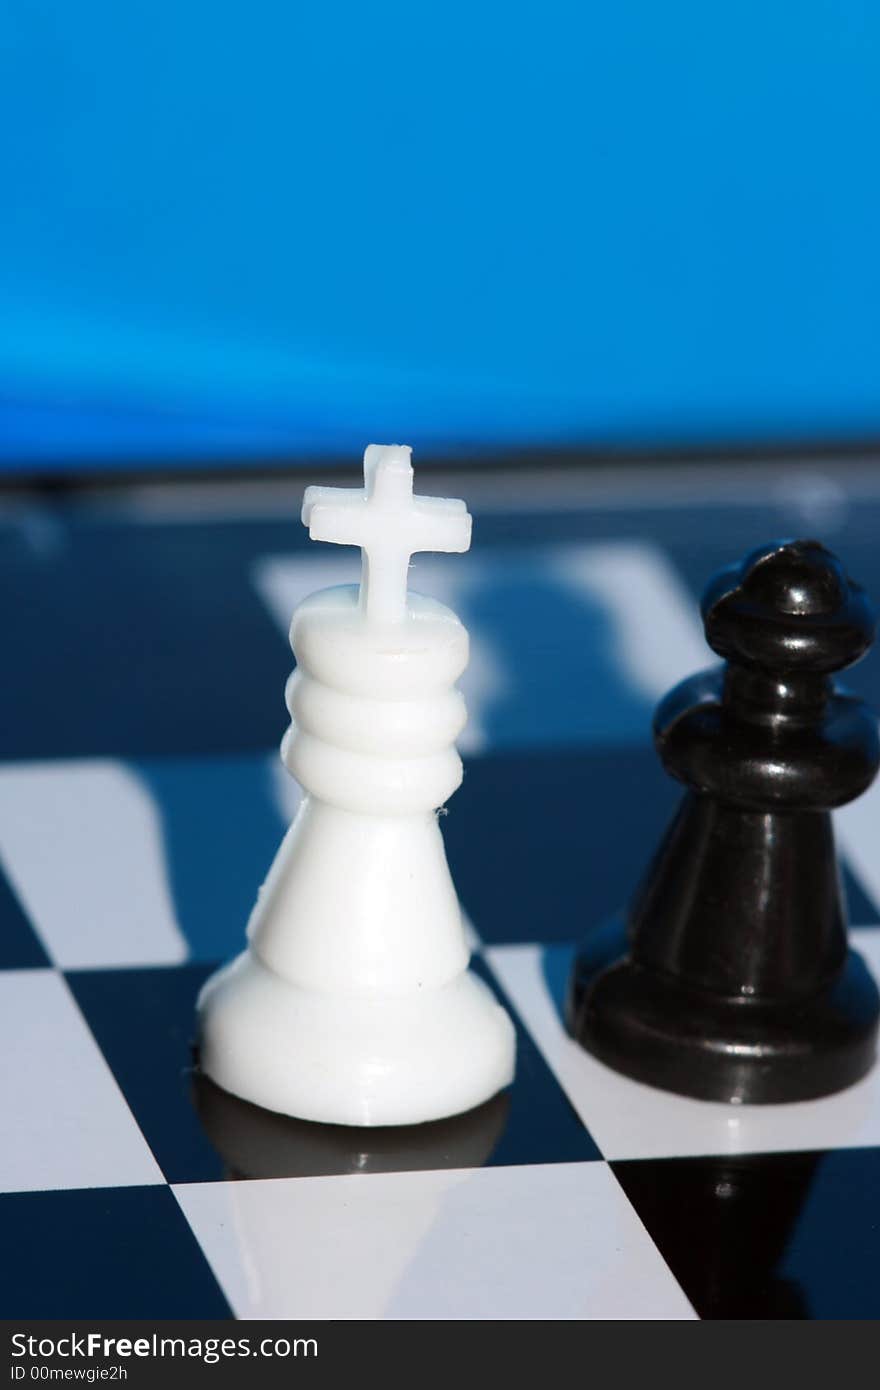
point(353, 1003)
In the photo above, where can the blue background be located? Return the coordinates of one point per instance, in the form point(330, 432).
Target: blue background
point(239, 230)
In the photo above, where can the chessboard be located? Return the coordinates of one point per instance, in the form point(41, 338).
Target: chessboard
point(141, 801)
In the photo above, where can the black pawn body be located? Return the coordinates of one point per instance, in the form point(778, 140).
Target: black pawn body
point(731, 979)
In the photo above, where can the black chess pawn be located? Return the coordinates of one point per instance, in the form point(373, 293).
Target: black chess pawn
point(733, 979)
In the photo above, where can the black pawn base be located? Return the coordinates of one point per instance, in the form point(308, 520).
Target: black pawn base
point(656, 1030)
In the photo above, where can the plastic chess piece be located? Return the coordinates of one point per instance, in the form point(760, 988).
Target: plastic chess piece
point(735, 981)
point(353, 1003)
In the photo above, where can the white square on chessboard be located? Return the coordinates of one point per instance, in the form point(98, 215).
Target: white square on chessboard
point(556, 1241)
point(630, 1120)
point(63, 1119)
point(83, 847)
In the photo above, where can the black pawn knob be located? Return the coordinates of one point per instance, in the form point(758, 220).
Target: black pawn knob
point(730, 978)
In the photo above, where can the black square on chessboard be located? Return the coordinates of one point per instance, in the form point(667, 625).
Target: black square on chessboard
point(20, 947)
point(774, 1235)
point(104, 1252)
point(145, 1023)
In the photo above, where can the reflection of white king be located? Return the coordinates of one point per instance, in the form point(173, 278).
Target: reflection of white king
point(353, 1003)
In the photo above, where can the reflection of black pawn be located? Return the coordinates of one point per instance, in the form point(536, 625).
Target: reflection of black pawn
point(724, 1226)
point(738, 985)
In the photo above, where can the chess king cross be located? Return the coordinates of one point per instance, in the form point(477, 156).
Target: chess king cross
point(353, 1002)
point(389, 524)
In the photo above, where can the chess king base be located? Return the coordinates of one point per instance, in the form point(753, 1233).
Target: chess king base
point(349, 1060)
point(655, 1030)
